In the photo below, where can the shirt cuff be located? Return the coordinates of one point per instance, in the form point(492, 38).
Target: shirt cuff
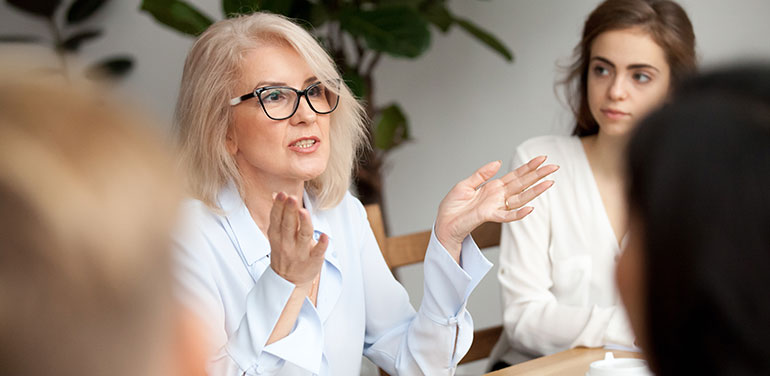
point(304, 345)
point(264, 306)
point(447, 285)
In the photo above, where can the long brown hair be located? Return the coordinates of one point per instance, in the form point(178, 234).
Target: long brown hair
point(666, 23)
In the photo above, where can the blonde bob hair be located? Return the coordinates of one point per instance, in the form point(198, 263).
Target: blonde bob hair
point(203, 113)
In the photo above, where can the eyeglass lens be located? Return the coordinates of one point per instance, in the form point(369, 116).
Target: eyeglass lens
point(282, 102)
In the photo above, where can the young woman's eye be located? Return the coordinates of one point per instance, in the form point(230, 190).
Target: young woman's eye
point(600, 70)
point(642, 78)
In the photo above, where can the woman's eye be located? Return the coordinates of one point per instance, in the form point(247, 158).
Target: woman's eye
point(315, 91)
point(642, 78)
point(601, 71)
point(272, 96)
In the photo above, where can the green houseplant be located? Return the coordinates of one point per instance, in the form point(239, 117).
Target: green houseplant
point(67, 34)
point(356, 33)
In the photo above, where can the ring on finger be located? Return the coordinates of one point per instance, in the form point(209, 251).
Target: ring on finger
point(506, 205)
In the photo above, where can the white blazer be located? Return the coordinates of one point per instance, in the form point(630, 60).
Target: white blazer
point(557, 264)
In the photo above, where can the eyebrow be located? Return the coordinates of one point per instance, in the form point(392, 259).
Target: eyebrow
point(630, 66)
point(308, 81)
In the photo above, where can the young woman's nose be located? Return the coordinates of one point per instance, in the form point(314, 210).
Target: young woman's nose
point(618, 90)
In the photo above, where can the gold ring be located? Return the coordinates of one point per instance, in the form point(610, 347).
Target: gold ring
point(506, 205)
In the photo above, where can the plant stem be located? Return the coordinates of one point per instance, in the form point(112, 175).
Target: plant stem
point(58, 46)
point(360, 58)
point(372, 64)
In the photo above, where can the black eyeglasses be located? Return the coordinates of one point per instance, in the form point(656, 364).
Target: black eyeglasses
point(281, 102)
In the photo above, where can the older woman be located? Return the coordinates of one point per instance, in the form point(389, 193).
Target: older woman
point(278, 256)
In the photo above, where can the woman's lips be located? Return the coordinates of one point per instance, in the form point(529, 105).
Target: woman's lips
point(615, 114)
point(305, 144)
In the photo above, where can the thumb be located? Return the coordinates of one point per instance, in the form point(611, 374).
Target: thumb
point(320, 248)
point(483, 174)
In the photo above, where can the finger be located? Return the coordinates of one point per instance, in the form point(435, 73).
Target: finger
point(483, 174)
point(518, 184)
point(305, 234)
point(276, 215)
point(515, 215)
point(320, 248)
point(518, 200)
point(289, 224)
point(524, 169)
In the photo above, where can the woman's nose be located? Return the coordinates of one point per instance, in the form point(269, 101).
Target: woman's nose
point(304, 114)
point(618, 90)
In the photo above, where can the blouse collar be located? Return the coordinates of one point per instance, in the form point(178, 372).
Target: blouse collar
point(252, 242)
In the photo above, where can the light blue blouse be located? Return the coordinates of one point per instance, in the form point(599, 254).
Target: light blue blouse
point(224, 274)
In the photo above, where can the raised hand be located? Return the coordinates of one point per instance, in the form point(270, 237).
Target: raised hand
point(294, 255)
point(477, 199)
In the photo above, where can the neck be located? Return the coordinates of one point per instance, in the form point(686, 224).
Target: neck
point(605, 153)
point(258, 196)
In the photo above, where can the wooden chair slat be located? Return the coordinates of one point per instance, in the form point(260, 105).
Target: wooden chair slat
point(410, 249)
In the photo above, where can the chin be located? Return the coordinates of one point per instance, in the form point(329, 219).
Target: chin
point(616, 129)
point(311, 172)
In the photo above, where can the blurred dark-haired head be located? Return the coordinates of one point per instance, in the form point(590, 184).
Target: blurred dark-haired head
point(699, 196)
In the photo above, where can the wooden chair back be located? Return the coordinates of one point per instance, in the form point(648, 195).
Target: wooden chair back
point(410, 249)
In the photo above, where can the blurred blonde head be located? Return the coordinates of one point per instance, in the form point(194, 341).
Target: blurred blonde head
point(88, 198)
point(203, 112)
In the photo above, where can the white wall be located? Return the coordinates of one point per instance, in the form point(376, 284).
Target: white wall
point(465, 104)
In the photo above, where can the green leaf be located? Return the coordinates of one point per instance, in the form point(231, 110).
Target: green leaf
point(318, 14)
point(235, 7)
point(73, 43)
point(178, 15)
point(354, 81)
point(114, 67)
point(42, 8)
point(486, 38)
point(19, 39)
point(392, 128)
point(437, 14)
point(82, 9)
point(395, 30)
point(276, 6)
point(309, 14)
point(409, 3)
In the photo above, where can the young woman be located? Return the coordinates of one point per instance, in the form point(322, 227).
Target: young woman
point(556, 267)
point(278, 257)
point(694, 276)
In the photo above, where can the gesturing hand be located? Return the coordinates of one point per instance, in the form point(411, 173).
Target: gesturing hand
point(294, 255)
point(471, 202)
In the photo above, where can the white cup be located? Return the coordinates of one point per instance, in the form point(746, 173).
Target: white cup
point(619, 367)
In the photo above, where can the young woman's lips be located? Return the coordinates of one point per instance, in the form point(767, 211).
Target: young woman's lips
point(305, 145)
point(615, 114)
